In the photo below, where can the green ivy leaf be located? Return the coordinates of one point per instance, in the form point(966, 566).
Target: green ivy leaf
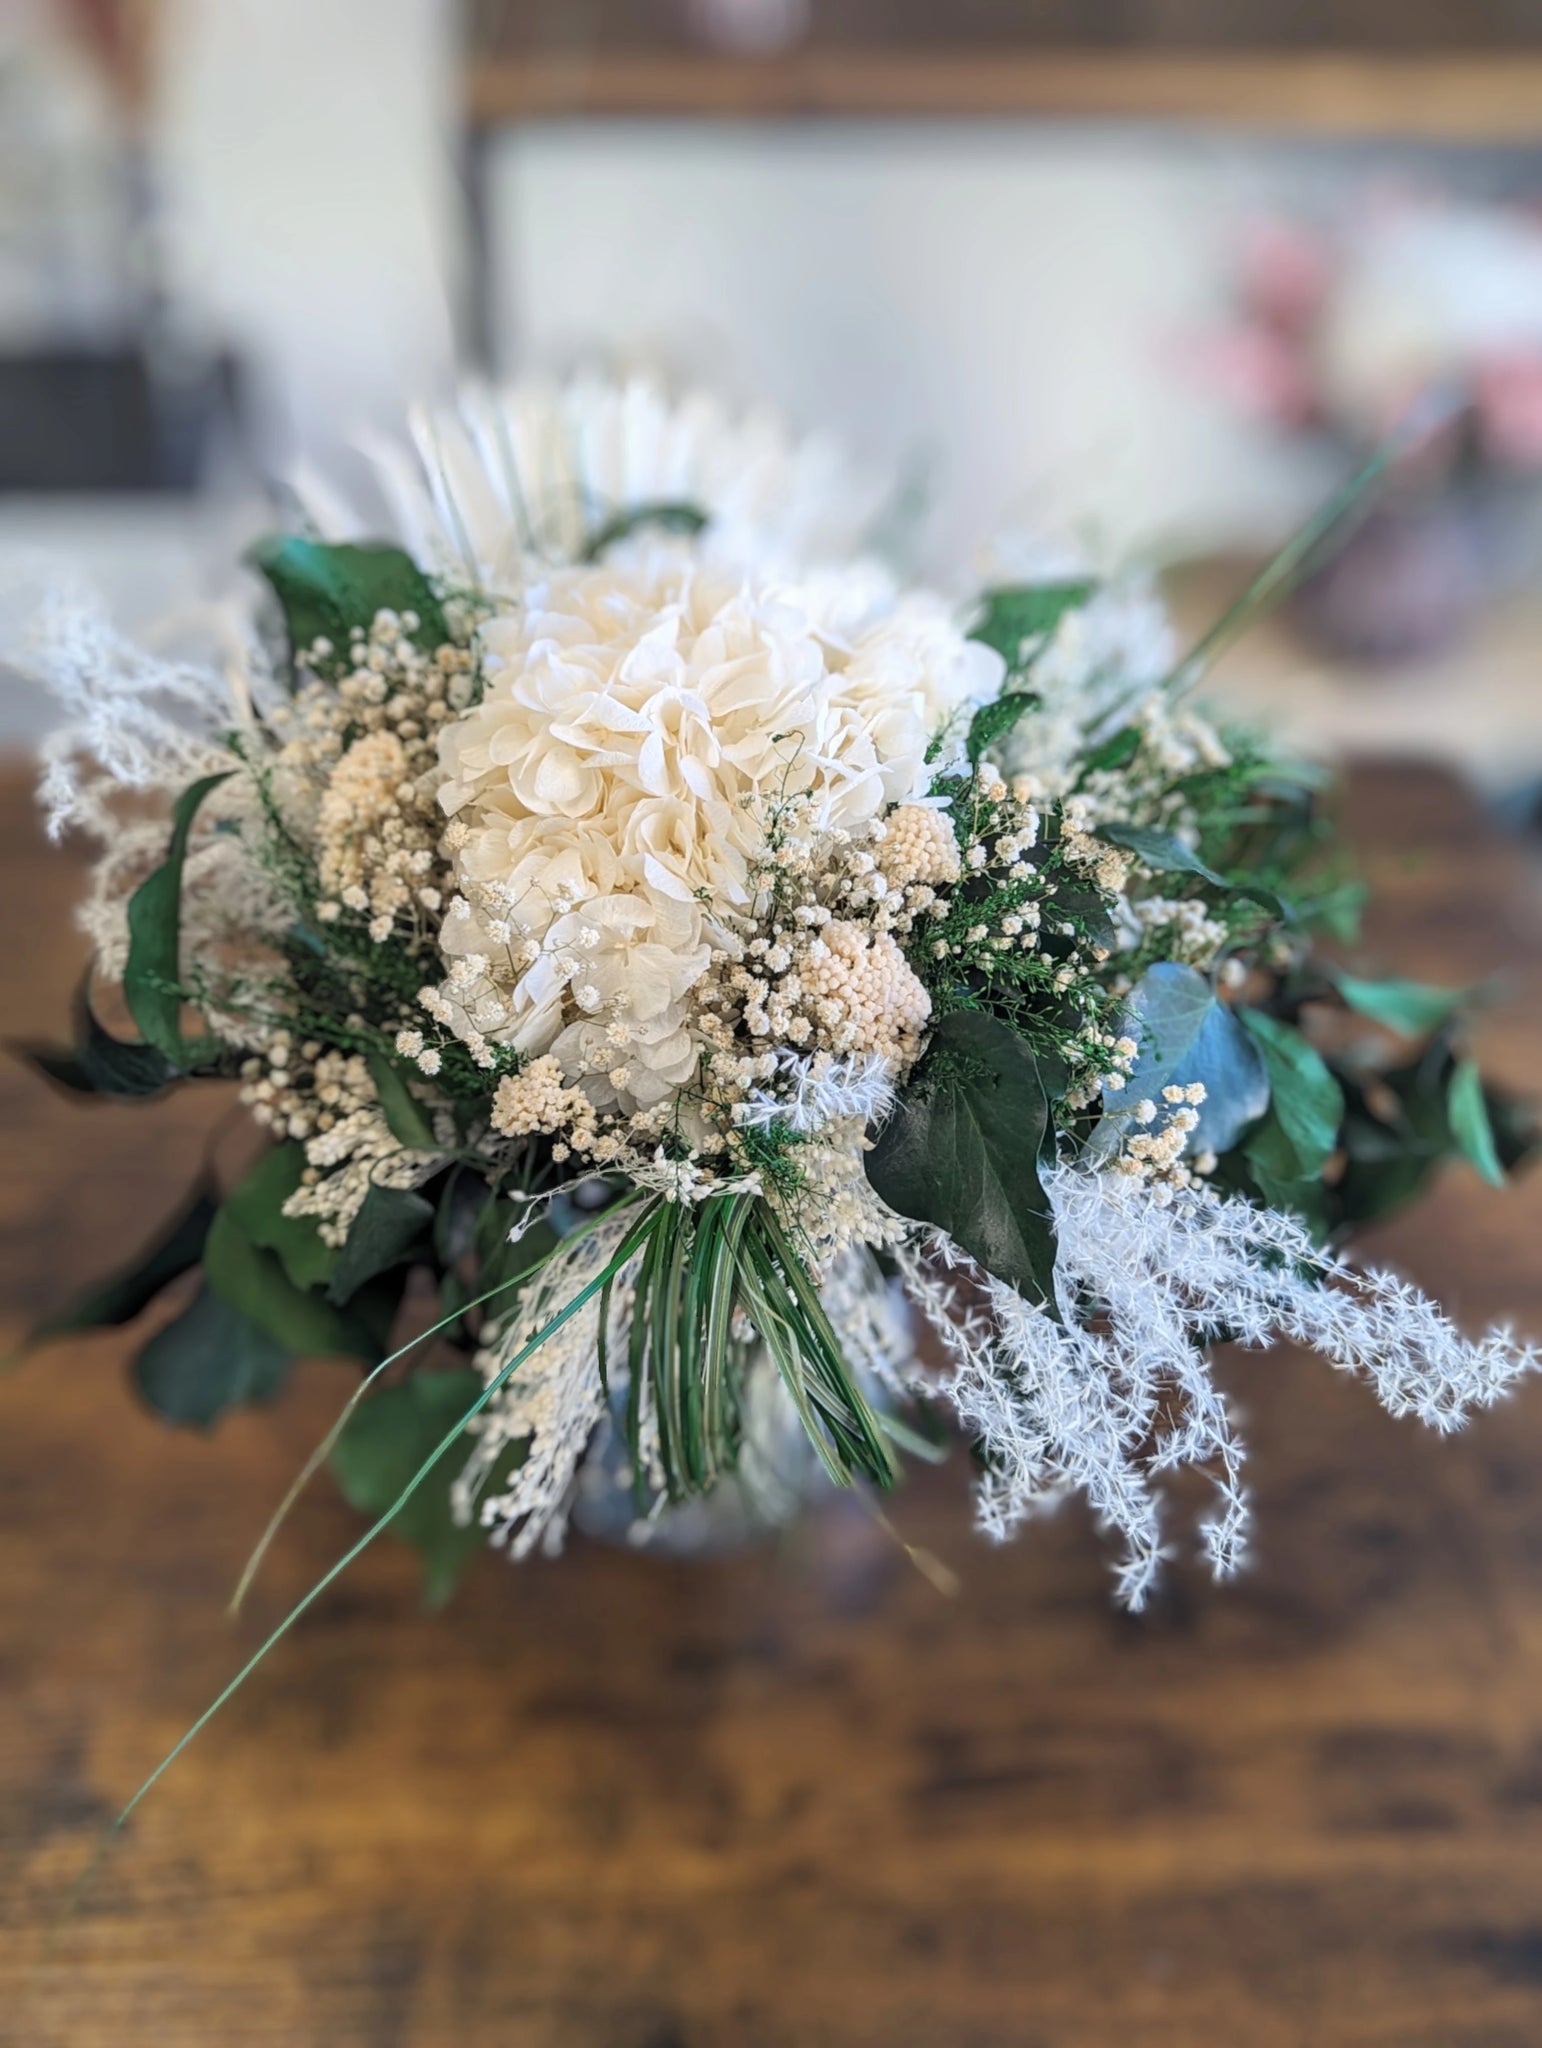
point(406, 1118)
point(1412, 1007)
point(257, 1206)
point(254, 1281)
point(325, 590)
point(668, 516)
point(1470, 1125)
point(962, 1151)
point(993, 721)
point(212, 1357)
point(175, 1249)
point(1183, 1034)
point(1165, 854)
point(154, 958)
point(1308, 1102)
point(1017, 614)
point(385, 1443)
point(392, 1228)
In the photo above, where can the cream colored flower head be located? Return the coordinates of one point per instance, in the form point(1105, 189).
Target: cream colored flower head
point(642, 727)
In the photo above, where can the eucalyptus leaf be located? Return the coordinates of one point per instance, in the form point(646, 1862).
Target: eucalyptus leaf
point(154, 958)
point(1307, 1101)
point(1166, 854)
point(386, 1441)
point(393, 1227)
point(406, 1118)
point(962, 1151)
point(174, 1250)
point(257, 1205)
point(254, 1281)
point(1470, 1125)
point(326, 590)
point(212, 1357)
point(1184, 1034)
point(1018, 614)
point(1412, 1007)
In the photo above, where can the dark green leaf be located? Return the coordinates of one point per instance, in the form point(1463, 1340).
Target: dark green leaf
point(1018, 614)
point(392, 1228)
point(174, 1250)
point(1117, 751)
point(499, 1260)
point(98, 1063)
point(386, 1441)
point(462, 1199)
point(1275, 1167)
point(257, 1205)
point(405, 1116)
point(672, 518)
point(1183, 1034)
point(212, 1357)
point(1470, 1125)
point(154, 922)
point(1307, 1101)
point(1411, 1007)
point(327, 590)
point(1165, 854)
point(254, 1281)
point(962, 1151)
point(994, 721)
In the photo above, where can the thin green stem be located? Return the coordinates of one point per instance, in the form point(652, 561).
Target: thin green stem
point(308, 1600)
point(1277, 576)
point(324, 1449)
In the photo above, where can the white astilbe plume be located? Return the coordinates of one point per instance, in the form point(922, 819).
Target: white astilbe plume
point(132, 719)
point(1105, 1411)
point(822, 1091)
point(554, 1401)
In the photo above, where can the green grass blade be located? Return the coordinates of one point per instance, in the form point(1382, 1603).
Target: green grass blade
point(324, 1449)
point(335, 1571)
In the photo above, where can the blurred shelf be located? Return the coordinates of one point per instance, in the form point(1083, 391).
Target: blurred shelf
point(1466, 96)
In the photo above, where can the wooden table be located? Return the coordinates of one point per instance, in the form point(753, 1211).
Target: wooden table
point(794, 1799)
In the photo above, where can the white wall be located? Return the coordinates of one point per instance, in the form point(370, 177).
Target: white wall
point(308, 169)
point(1003, 305)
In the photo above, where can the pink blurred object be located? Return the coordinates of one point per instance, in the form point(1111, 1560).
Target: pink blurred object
point(1285, 274)
point(1258, 371)
point(1508, 400)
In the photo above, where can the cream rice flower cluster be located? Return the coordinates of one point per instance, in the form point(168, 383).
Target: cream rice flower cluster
point(643, 727)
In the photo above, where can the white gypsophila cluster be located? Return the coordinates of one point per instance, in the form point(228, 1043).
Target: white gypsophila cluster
point(503, 480)
point(1105, 1411)
point(553, 1402)
point(1102, 659)
point(612, 791)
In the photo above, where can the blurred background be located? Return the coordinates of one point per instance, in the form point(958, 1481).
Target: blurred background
point(1148, 276)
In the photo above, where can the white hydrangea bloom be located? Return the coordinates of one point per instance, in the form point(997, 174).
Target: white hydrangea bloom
point(641, 723)
point(501, 479)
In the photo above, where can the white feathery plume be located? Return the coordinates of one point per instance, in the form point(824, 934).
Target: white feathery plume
point(133, 719)
point(825, 1090)
point(554, 1402)
point(1061, 1407)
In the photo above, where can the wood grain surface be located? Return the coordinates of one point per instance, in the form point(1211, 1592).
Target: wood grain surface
point(797, 1798)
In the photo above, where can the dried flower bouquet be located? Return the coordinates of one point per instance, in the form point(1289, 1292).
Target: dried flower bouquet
point(713, 966)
